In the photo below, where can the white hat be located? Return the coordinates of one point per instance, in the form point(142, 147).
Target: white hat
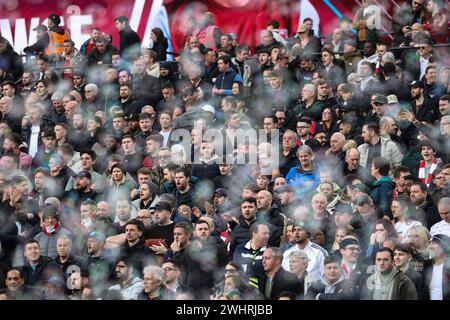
point(209, 108)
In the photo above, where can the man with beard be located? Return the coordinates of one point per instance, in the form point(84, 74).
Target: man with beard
point(12, 143)
point(423, 107)
point(146, 88)
point(427, 211)
point(316, 254)
point(127, 274)
point(164, 159)
point(162, 230)
point(129, 105)
point(82, 191)
point(436, 271)
point(123, 215)
point(134, 246)
point(201, 257)
point(88, 160)
point(78, 136)
point(27, 84)
point(184, 193)
point(241, 232)
point(98, 263)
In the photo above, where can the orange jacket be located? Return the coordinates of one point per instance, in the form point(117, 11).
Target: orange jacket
point(56, 43)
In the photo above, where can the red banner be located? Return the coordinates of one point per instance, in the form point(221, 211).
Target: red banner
point(246, 18)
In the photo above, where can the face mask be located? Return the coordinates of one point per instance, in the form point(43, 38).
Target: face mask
point(50, 229)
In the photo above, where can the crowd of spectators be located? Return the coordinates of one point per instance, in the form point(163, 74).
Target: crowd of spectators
point(344, 193)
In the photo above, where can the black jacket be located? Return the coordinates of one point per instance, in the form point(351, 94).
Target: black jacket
point(45, 268)
point(344, 290)
point(428, 111)
point(161, 50)
point(106, 57)
point(200, 261)
point(282, 281)
point(428, 273)
point(428, 213)
point(240, 234)
point(11, 62)
point(276, 224)
point(129, 41)
point(139, 253)
point(204, 171)
point(44, 125)
point(147, 89)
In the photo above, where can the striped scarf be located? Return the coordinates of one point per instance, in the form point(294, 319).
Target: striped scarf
point(428, 179)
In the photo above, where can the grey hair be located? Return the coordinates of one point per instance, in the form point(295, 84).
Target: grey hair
point(276, 252)
point(65, 237)
point(444, 202)
point(299, 254)
point(388, 57)
point(384, 120)
point(57, 96)
point(305, 149)
point(93, 87)
point(157, 272)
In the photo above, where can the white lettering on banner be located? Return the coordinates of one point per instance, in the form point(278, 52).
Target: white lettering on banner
point(373, 14)
point(77, 23)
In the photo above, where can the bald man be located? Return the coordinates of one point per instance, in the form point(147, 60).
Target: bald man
point(270, 214)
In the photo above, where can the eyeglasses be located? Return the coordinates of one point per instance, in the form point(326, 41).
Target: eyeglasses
point(353, 248)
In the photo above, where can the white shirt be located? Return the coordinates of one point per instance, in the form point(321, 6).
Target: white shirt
point(440, 227)
point(403, 228)
point(423, 66)
point(436, 282)
point(33, 147)
point(316, 258)
point(166, 137)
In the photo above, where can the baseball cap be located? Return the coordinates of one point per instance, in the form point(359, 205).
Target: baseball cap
point(302, 28)
point(443, 241)
point(98, 236)
point(163, 205)
point(209, 108)
point(50, 211)
point(56, 281)
point(83, 174)
point(380, 98)
point(416, 84)
point(55, 18)
point(392, 98)
point(221, 191)
point(346, 242)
